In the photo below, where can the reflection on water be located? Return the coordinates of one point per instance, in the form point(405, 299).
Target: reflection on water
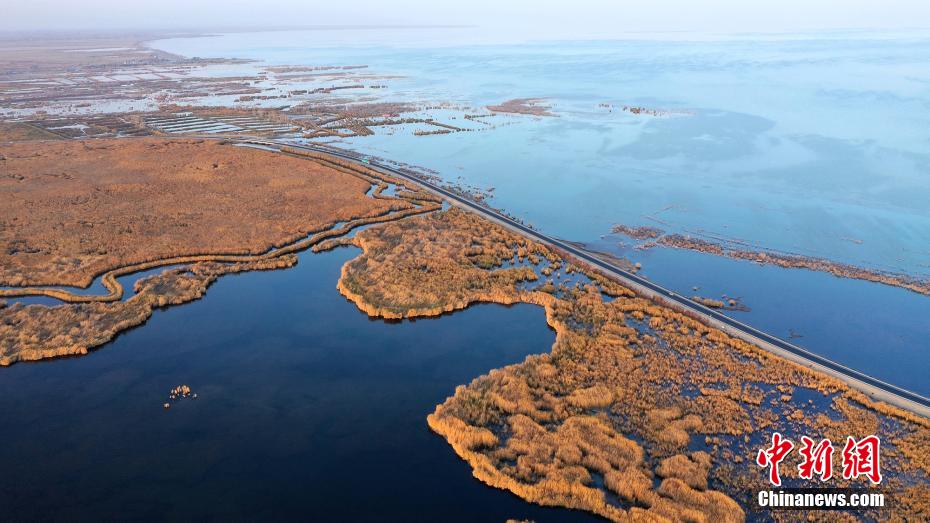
point(307, 410)
point(799, 142)
point(800, 306)
point(813, 144)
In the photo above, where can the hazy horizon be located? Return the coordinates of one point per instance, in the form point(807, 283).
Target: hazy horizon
point(542, 19)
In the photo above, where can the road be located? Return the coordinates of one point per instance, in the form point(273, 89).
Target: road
point(873, 387)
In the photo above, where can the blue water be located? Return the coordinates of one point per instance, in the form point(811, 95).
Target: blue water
point(816, 144)
point(797, 142)
point(307, 410)
point(805, 302)
point(96, 288)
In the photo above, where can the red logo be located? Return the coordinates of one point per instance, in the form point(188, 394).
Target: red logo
point(862, 459)
point(817, 460)
point(773, 456)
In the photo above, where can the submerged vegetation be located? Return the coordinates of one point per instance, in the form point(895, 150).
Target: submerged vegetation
point(638, 411)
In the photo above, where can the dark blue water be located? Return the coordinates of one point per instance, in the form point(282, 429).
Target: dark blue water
point(307, 410)
point(96, 288)
point(893, 345)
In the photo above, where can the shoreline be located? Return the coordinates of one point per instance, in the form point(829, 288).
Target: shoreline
point(650, 402)
point(83, 322)
point(870, 386)
point(731, 327)
point(597, 329)
point(654, 237)
point(640, 302)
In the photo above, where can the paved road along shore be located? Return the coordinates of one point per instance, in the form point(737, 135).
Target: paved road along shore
point(873, 387)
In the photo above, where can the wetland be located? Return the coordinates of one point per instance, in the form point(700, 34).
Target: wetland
point(358, 348)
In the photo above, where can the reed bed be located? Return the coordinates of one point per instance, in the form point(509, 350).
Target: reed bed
point(87, 321)
point(608, 419)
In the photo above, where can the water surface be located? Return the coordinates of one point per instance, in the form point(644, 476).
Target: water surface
point(307, 410)
point(817, 144)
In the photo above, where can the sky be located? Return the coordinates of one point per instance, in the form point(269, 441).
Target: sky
point(539, 18)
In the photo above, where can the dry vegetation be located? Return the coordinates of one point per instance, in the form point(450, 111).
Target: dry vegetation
point(768, 257)
point(23, 132)
point(639, 412)
point(709, 302)
point(59, 74)
point(793, 261)
point(35, 332)
point(74, 210)
point(638, 233)
point(25, 56)
point(452, 271)
point(530, 106)
point(30, 332)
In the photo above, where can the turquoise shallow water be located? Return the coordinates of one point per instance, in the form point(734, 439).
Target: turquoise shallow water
point(799, 144)
point(812, 144)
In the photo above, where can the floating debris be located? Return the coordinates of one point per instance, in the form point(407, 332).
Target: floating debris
point(178, 393)
point(181, 391)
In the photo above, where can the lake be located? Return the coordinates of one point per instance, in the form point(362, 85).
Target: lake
point(817, 144)
point(306, 410)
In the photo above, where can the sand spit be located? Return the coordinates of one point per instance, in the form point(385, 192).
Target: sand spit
point(790, 261)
